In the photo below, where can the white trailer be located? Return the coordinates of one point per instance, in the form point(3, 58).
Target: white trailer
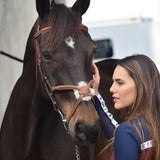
point(117, 39)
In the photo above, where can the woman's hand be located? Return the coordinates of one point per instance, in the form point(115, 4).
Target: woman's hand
point(96, 78)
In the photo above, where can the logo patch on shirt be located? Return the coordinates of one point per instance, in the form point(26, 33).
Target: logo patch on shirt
point(146, 145)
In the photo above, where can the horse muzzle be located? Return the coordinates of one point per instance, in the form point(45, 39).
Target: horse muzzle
point(85, 133)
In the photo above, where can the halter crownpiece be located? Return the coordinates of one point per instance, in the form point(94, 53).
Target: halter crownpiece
point(83, 27)
point(42, 31)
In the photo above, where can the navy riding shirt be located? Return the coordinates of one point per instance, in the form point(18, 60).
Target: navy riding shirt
point(127, 144)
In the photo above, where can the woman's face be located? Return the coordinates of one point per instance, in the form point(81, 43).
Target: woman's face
point(123, 88)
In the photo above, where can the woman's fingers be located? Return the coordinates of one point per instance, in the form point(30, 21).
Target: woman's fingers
point(96, 78)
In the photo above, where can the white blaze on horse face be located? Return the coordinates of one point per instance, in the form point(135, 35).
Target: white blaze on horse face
point(77, 95)
point(69, 41)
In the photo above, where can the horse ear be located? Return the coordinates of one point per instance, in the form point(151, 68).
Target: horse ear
point(81, 6)
point(42, 7)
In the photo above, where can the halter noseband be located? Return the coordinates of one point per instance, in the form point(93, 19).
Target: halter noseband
point(83, 91)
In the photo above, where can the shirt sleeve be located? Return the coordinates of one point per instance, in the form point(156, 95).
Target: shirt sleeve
point(127, 145)
point(108, 123)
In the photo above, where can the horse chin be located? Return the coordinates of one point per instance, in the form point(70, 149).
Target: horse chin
point(86, 142)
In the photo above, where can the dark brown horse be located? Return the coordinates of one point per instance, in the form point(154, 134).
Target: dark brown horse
point(54, 87)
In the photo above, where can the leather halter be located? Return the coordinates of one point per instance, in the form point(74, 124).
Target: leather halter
point(83, 91)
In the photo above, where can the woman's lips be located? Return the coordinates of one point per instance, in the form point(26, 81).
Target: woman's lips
point(115, 99)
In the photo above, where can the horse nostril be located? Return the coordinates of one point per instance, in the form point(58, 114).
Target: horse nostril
point(86, 133)
point(82, 136)
point(80, 132)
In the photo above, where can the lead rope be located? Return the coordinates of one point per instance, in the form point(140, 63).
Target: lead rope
point(77, 152)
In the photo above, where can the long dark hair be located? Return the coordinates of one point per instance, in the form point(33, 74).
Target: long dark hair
point(147, 79)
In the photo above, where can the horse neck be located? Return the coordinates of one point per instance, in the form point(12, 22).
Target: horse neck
point(87, 152)
point(29, 67)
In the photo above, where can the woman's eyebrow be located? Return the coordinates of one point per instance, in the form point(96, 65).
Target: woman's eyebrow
point(119, 80)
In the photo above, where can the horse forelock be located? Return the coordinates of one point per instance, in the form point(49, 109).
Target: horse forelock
point(64, 21)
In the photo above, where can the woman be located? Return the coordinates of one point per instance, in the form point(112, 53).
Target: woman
point(136, 85)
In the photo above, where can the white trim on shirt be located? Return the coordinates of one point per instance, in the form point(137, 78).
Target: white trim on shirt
point(105, 110)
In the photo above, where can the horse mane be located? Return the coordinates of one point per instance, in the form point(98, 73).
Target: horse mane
point(64, 22)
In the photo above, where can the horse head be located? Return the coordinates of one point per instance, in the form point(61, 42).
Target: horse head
point(64, 52)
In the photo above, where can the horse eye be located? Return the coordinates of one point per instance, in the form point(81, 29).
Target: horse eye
point(47, 55)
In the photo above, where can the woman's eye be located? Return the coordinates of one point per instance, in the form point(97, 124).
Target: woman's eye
point(120, 83)
point(47, 56)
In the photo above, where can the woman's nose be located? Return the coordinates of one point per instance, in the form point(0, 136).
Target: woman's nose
point(112, 89)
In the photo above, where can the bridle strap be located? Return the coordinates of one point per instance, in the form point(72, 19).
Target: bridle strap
point(83, 91)
point(83, 27)
point(42, 31)
point(36, 35)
